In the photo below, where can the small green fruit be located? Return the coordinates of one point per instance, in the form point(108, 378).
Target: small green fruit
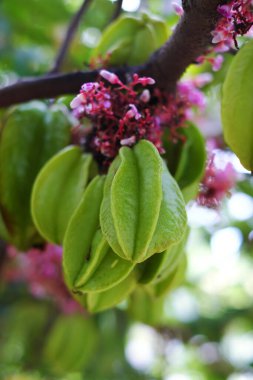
point(58, 190)
point(31, 135)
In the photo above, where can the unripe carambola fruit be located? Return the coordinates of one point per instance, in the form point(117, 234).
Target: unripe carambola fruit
point(115, 37)
point(186, 159)
point(31, 135)
point(237, 106)
point(64, 348)
point(159, 266)
point(143, 211)
point(152, 34)
point(145, 308)
point(89, 263)
point(131, 40)
point(171, 281)
point(58, 190)
point(101, 301)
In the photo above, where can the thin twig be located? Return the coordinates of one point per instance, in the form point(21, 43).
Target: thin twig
point(117, 10)
point(69, 36)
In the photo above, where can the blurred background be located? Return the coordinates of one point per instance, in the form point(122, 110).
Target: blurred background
point(204, 328)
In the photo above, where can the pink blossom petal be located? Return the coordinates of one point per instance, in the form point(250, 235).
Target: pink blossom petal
point(145, 96)
point(128, 141)
point(145, 81)
point(90, 86)
point(178, 9)
point(110, 77)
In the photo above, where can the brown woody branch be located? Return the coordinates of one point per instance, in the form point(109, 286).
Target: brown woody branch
point(49, 86)
point(190, 39)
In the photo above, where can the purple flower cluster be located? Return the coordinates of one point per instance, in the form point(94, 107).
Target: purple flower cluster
point(216, 184)
point(119, 114)
point(122, 114)
point(236, 19)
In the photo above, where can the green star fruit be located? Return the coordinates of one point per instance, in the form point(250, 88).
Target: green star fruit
point(89, 263)
point(142, 211)
point(31, 134)
point(58, 189)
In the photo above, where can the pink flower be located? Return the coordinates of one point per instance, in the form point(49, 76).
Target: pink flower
point(112, 78)
point(225, 10)
point(217, 62)
point(216, 184)
point(178, 9)
point(89, 86)
point(133, 113)
point(145, 96)
point(77, 101)
point(119, 115)
point(129, 141)
point(145, 81)
point(41, 270)
point(122, 114)
point(236, 19)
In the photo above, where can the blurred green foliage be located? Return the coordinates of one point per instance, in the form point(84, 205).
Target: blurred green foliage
point(205, 329)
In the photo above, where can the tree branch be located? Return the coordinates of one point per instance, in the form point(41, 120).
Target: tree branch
point(69, 36)
point(50, 86)
point(190, 39)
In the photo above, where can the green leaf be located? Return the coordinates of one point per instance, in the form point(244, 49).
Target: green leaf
point(31, 135)
point(237, 106)
point(58, 190)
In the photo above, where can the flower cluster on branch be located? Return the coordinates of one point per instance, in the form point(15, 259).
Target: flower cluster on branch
point(236, 20)
point(122, 114)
